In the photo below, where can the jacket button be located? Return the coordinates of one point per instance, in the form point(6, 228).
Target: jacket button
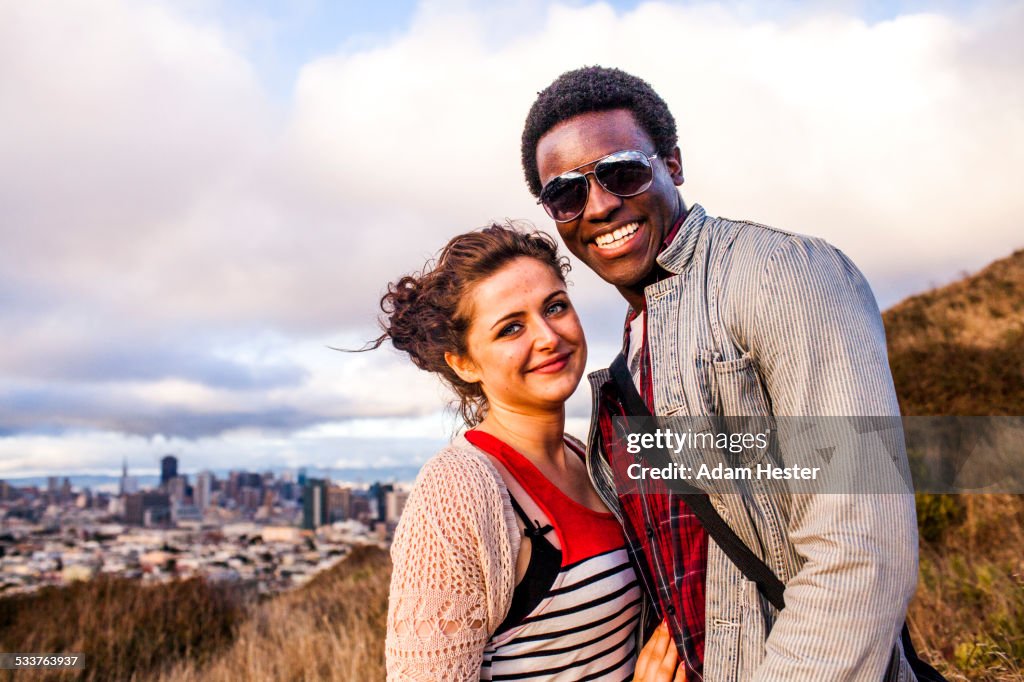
point(671, 610)
point(650, 531)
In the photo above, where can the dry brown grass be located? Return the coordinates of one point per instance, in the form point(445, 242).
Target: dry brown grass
point(125, 630)
point(959, 350)
point(331, 629)
point(967, 617)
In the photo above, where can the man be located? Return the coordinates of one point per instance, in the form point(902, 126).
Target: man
point(729, 318)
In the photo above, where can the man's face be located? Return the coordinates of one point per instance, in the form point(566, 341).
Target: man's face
point(627, 260)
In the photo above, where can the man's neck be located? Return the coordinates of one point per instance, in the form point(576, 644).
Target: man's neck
point(634, 295)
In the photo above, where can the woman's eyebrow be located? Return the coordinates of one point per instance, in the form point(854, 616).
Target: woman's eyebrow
point(520, 313)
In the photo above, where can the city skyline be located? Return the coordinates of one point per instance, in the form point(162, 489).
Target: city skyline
point(202, 200)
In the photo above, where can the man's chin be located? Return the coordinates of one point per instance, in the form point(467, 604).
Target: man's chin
point(620, 278)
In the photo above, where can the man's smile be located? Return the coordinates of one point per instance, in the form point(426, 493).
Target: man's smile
point(617, 237)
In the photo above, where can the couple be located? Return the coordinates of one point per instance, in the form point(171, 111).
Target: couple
point(520, 554)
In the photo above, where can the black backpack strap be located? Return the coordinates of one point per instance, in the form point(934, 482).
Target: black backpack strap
point(725, 537)
point(533, 528)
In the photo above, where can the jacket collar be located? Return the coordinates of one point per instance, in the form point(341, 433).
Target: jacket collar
point(676, 256)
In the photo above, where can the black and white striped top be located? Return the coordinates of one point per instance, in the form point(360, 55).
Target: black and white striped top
point(574, 616)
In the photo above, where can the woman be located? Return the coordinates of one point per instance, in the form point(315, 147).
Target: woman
point(506, 563)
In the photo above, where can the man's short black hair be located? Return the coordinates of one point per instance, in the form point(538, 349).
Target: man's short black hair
point(594, 88)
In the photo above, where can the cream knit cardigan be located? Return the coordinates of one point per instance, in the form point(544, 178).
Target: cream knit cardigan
point(454, 557)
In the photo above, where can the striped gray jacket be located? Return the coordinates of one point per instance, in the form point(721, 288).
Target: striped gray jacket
point(758, 321)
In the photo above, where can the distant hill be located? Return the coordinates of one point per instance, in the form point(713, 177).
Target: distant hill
point(959, 349)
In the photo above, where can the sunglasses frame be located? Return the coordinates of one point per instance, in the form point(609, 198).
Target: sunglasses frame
point(575, 173)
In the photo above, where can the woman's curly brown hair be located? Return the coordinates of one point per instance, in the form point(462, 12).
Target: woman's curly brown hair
point(424, 314)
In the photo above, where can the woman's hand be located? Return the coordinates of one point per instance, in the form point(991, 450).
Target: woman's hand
point(658, 660)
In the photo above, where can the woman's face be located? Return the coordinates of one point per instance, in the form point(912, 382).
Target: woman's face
point(525, 345)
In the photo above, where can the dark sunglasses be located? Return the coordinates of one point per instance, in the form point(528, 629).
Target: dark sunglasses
point(624, 174)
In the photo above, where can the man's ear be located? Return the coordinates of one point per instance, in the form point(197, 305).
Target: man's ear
point(464, 367)
point(674, 164)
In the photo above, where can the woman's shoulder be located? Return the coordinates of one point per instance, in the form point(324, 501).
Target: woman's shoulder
point(459, 491)
point(461, 479)
point(459, 462)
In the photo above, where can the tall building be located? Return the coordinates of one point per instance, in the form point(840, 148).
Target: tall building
point(314, 503)
point(395, 504)
point(339, 503)
point(177, 487)
point(378, 500)
point(168, 470)
point(129, 484)
point(203, 489)
point(249, 498)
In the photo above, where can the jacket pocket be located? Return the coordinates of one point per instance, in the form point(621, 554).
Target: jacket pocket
point(705, 385)
point(746, 409)
point(739, 387)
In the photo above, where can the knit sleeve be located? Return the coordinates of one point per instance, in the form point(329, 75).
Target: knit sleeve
point(453, 571)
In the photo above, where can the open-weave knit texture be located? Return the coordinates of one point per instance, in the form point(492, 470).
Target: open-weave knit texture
point(453, 568)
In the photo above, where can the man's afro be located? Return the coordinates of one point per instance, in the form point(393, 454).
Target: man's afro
point(594, 88)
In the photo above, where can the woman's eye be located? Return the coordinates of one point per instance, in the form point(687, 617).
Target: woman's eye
point(557, 307)
point(510, 329)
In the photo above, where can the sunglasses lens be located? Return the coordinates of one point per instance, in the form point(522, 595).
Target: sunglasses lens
point(625, 174)
point(565, 197)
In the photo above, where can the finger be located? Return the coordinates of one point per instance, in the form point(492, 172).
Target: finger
point(652, 652)
point(647, 659)
point(642, 662)
point(680, 674)
point(668, 665)
point(661, 640)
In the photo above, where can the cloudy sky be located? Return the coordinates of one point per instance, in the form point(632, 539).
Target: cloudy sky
point(198, 198)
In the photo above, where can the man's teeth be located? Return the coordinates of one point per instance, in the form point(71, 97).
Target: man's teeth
point(618, 237)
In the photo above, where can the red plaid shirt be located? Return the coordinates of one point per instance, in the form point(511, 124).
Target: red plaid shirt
point(665, 537)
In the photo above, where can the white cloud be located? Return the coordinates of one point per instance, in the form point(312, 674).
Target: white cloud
point(156, 204)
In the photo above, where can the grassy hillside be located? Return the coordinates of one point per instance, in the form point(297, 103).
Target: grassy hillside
point(959, 350)
point(123, 628)
point(331, 629)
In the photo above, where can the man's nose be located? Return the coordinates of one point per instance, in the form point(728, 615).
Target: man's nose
point(601, 203)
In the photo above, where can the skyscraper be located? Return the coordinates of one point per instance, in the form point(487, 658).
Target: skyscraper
point(168, 470)
point(204, 486)
point(378, 496)
point(124, 477)
point(314, 503)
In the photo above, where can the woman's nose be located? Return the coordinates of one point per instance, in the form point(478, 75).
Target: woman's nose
point(546, 337)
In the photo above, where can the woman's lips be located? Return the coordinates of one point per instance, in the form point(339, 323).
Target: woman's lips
point(555, 364)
